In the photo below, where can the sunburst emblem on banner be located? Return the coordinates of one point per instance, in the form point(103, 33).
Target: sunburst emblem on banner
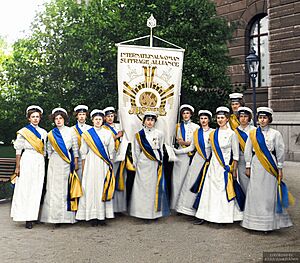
point(148, 95)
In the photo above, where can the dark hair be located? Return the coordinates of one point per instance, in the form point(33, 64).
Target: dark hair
point(207, 115)
point(240, 101)
point(97, 114)
point(86, 112)
point(248, 114)
point(33, 111)
point(61, 113)
point(186, 109)
point(149, 116)
point(269, 117)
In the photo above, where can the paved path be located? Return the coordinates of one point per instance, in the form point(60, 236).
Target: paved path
point(125, 239)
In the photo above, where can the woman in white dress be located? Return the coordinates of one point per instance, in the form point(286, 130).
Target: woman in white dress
point(97, 148)
point(149, 198)
point(202, 156)
point(119, 200)
point(262, 210)
point(57, 206)
point(217, 202)
point(30, 168)
point(242, 134)
point(236, 101)
point(184, 135)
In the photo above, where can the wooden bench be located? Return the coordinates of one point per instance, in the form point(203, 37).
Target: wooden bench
point(7, 167)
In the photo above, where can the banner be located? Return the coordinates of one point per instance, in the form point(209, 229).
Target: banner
point(149, 78)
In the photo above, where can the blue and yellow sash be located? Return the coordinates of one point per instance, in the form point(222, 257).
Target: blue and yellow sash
point(242, 137)
point(284, 197)
point(233, 121)
point(74, 186)
point(114, 132)
point(200, 147)
point(78, 132)
point(94, 142)
point(180, 127)
point(160, 196)
point(228, 178)
point(32, 135)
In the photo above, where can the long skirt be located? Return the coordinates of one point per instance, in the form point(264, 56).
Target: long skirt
point(28, 188)
point(91, 205)
point(260, 207)
point(119, 201)
point(243, 179)
point(180, 169)
point(142, 203)
point(55, 206)
point(186, 197)
point(214, 206)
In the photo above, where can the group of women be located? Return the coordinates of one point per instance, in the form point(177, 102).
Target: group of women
point(231, 173)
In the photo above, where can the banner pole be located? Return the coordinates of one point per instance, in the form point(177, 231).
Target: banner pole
point(151, 23)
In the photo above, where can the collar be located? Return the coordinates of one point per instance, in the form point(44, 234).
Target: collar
point(187, 122)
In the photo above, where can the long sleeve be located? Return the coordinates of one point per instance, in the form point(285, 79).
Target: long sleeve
point(111, 147)
point(235, 147)
point(279, 149)
point(19, 144)
point(75, 147)
point(186, 150)
point(84, 149)
point(248, 153)
point(49, 148)
point(136, 152)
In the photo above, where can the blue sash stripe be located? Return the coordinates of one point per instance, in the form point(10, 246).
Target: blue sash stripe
point(147, 145)
point(78, 129)
point(201, 142)
point(111, 128)
point(34, 131)
point(243, 134)
point(182, 130)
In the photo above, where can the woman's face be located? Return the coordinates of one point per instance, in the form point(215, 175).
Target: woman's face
point(244, 119)
point(59, 121)
point(110, 118)
point(222, 120)
point(149, 122)
point(263, 120)
point(235, 105)
point(97, 121)
point(81, 117)
point(186, 115)
point(35, 118)
point(204, 120)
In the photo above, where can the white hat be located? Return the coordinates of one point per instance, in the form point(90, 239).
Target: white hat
point(235, 96)
point(222, 110)
point(59, 109)
point(245, 110)
point(97, 112)
point(264, 111)
point(109, 110)
point(205, 112)
point(150, 114)
point(34, 107)
point(187, 106)
point(81, 108)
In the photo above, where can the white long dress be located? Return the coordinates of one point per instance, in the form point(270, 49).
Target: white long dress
point(187, 198)
point(181, 166)
point(54, 209)
point(214, 206)
point(142, 203)
point(242, 178)
point(84, 127)
point(29, 185)
point(91, 205)
point(260, 207)
point(119, 196)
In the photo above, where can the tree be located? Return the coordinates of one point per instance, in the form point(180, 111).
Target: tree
point(70, 58)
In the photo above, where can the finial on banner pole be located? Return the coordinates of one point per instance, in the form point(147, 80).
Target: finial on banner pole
point(151, 22)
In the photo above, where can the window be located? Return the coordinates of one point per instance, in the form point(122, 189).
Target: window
point(259, 39)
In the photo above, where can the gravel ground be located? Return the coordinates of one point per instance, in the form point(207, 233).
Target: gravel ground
point(126, 239)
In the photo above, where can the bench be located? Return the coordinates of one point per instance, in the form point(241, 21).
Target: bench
point(7, 168)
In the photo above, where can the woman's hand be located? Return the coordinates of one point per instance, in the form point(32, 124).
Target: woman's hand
point(248, 172)
point(17, 171)
point(280, 174)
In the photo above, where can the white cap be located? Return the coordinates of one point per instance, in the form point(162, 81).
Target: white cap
point(235, 96)
point(81, 108)
point(150, 114)
point(97, 112)
point(222, 110)
point(59, 109)
point(34, 107)
point(264, 111)
point(245, 110)
point(187, 106)
point(205, 112)
point(109, 110)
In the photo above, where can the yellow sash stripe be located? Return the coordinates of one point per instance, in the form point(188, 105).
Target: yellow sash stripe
point(180, 137)
point(233, 121)
point(34, 141)
point(57, 148)
point(129, 165)
point(75, 190)
point(196, 142)
point(149, 156)
point(78, 136)
point(159, 176)
point(241, 141)
point(121, 183)
point(117, 142)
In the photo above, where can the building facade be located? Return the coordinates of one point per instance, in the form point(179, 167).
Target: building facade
point(272, 27)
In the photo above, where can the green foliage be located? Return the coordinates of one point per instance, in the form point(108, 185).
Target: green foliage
point(70, 58)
